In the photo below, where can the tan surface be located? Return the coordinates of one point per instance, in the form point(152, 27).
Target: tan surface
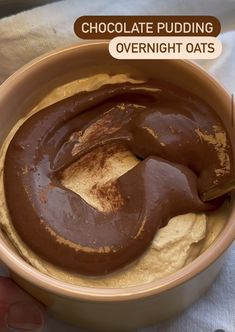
point(174, 245)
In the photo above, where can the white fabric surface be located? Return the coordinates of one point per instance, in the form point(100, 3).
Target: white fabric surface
point(32, 33)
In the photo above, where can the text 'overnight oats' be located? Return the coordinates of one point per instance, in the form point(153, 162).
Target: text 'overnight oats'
point(92, 181)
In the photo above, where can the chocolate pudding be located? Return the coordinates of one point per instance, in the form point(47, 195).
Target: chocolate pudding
point(109, 180)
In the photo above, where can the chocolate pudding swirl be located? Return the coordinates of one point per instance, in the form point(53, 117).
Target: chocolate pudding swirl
point(182, 147)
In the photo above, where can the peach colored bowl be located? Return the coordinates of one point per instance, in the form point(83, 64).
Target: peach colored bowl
point(132, 307)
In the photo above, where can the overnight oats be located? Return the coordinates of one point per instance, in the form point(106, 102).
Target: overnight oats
point(101, 182)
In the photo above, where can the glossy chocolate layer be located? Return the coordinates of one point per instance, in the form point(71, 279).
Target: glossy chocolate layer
point(183, 150)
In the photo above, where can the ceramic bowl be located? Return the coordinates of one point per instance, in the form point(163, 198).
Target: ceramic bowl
point(119, 309)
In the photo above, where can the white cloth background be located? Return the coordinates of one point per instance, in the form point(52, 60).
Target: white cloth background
point(32, 33)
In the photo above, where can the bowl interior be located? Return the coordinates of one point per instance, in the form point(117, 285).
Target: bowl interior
point(21, 92)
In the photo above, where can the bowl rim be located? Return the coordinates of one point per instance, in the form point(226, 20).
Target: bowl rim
point(30, 274)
